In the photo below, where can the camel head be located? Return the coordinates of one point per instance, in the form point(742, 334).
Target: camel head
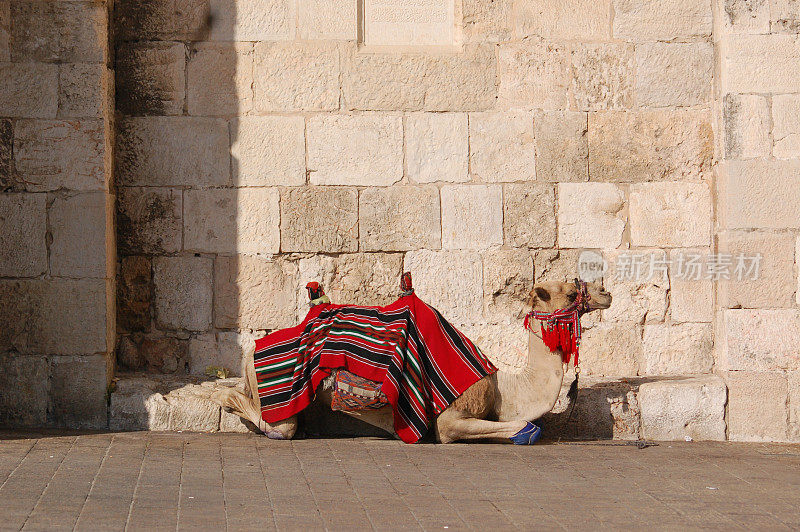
point(550, 296)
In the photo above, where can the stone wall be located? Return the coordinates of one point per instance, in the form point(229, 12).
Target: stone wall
point(56, 213)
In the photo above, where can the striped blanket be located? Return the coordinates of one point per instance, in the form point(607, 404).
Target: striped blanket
point(423, 362)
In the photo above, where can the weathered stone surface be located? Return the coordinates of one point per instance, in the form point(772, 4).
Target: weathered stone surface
point(150, 78)
point(78, 391)
point(358, 278)
point(128, 354)
point(582, 20)
point(507, 283)
point(400, 218)
point(650, 145)
point(638, 296)
point(149, 220)
point(254, 293)
point(612, 349)
point(603, 76)
point(762, 340)
point(53, 154)
point(296, 77)
point(670, 214)
point(158, 151)
point(753, 194)
point(504, 343)
point(757, 409)
point(529, 218)
point(751, 286)
point(67, 32)
point(760, 63)
point(674, 409)
point(677, 349)
point(82, 229)
point(23, 224)
point(408, 23)
point(562, 146)
point(229, 422)
point(747, 126)
point(785, 16)
point(209, 63)
point(191, 409)
point(472, 216)
point(556, 264)
point(450, 281)
point(793, 379)
point(502, 147)
point(319, 219)
point(786, 128)
point(327, 19)
point(183, 288)
point(7, 180)
point(241, 220)
point(746, 16)
point(23, 402)
point(162, 20)
point(661, 19)
point(487, 20)
point(163, 354)
point(85, 90)
point(368, 149)
point(534, 75)
point(269, 150)
point(255, 20)
point(223, 349)
point(5, 28)
point(691, 296)
point(436, 147)
point(589, 215)
point(673, 74)
point(136, 405)
point(29, 90)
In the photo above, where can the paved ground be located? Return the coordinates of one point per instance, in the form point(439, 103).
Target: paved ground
point(150, 481)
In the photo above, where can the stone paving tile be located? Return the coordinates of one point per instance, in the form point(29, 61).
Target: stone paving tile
point(182, 481)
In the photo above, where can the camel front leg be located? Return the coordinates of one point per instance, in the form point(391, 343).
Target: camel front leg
point(453, 426)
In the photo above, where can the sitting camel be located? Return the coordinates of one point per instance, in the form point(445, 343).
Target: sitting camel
point(499, 407)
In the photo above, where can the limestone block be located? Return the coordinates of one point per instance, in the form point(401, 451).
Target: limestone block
point(507, 283)
point(159, 151)
point(640, 297)
point(296, 77)
point(78, 391)
point(53, 154)
point(85, 90)
point(191, 409)
point(400, 218)
point(785, 16)
point(534, 75)
point(472, 216)
point(327, 19)
point(317, 219)
point(690, 299)
point(786, 129)
point(68, 32)
point(255, 20)
point(167, 20)
point(364, 149)
point(603, 76)
point(746, 16)
point(555, 264)
point(612, 349)
point(134, 294)
point(5, 27)
point(753, 194)
point(752, 280)
point(650, 145)
point(82, 229)
point(24, 379)
point(505, 344)
point(562, 146)
point(450, 281)
point(150, 78)
point(589, 215)
point(747, 126)
point(164, 354)
point(183, 288)
point(23, 224)
point(757, 406)
point(760, 63)
point(677, 349)
point(581, 20)
point(136, 405)
point(269, 150)
point(529, 218)
point(223, 349)
point(794, 405)
point(209, 63)
point(670, 214)
point(762, 340)
point(674, 74)
point(674, 409)
point(29, 90)
point(128, 354)
point(661, 19)
point(149, 220)
point(254, 293)
point(358, 278)
point(229, 422)
point(7, 156)
point(436, 147)
point(487, 20)
point(241, 220)
point(502, 147)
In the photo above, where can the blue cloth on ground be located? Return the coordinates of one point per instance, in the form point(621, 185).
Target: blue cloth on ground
point(527, 436)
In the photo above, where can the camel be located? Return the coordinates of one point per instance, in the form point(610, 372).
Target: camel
point(495, 408)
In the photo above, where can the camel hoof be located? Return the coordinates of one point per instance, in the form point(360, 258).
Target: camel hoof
point(529, 435)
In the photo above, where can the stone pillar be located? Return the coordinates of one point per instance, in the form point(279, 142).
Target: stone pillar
point(56, 214)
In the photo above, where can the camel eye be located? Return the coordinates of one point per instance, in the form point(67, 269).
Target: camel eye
point(572, 296)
